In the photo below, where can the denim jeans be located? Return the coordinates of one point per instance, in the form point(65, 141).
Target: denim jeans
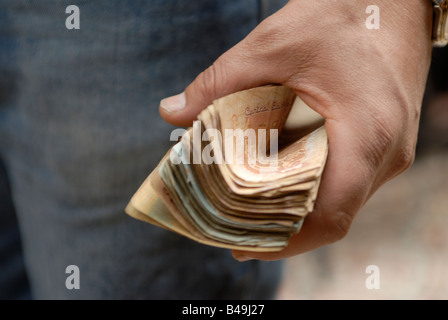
point(80, 131)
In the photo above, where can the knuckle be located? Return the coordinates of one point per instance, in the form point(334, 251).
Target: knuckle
point(404, 159)
point(389, 140)
point(377, 148)
point(390, 148)
point(382, 136)
point(209, 80)
point(338, 226)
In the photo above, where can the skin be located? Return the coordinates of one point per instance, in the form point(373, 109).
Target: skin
point(367, 84)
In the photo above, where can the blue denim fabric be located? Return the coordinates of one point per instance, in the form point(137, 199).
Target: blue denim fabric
point(80, 131)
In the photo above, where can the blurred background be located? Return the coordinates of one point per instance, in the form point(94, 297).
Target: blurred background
point(402, 229)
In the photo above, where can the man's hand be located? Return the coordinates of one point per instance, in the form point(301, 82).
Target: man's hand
point(367, 84)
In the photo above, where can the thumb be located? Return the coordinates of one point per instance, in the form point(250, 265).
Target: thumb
point(230, 73)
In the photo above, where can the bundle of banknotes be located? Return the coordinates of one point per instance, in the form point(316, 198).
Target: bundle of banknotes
point(237, 179)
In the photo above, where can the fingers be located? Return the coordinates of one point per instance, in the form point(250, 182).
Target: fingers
point(345, 187)
point(366, 149)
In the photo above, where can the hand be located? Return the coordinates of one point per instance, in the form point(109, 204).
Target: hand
point(367, 84)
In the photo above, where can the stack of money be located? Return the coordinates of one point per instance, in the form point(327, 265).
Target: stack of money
point(232, 181)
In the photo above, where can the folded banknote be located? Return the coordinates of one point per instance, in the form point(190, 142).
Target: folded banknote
point(237, 179)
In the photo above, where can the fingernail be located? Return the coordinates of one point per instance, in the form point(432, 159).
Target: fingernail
point(174, 103)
